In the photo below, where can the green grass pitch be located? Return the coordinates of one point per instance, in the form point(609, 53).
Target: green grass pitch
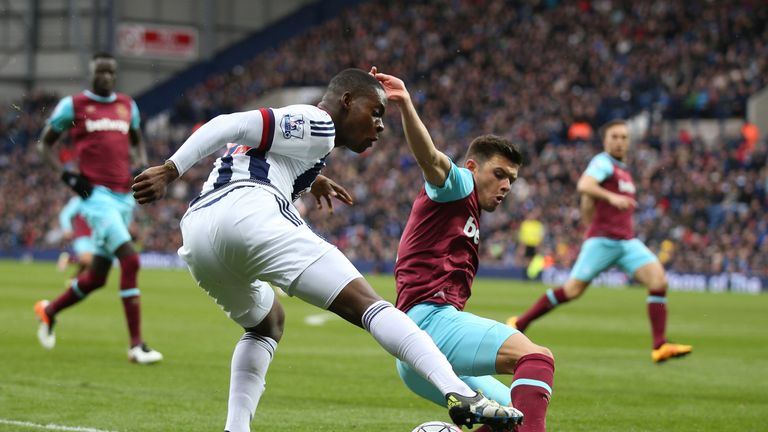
point(333, 377)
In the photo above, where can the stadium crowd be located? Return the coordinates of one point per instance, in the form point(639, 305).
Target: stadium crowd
point(533, 72)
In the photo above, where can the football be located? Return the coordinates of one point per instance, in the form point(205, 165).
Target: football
point(436, 426)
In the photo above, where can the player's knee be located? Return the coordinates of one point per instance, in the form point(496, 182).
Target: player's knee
point(354, 300)
point(574, 290)
point(537, 349)
point(544, 351)
point(277, 329)
point(85, 259)
point(273, 325)
point(657, 284)
point(660, 286)
point(274, 332)
point(507, 359)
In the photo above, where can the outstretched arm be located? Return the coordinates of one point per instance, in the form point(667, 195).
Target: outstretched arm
point(45, 145)
point(587, 206)
point(152, 183)
point(589, 185)
point(434, 164)
point(138, 150)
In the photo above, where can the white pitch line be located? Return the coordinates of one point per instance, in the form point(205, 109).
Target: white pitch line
point(51, 426)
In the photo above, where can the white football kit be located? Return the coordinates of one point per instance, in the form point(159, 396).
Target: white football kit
point(243, 231)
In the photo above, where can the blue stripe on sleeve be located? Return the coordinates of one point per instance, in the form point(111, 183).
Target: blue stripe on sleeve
point(135, 116)
point(63, 115)
point(458, 185)
point(600, 167)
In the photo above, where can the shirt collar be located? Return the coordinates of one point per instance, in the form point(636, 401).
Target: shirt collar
point(97, 98)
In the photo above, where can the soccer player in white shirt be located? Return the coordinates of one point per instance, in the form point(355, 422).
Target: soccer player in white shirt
point(243, 233)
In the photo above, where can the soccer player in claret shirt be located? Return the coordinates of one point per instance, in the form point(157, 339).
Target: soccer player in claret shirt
point(243, 233)
point(104, 128)
point(437, 261)
point(608, 202)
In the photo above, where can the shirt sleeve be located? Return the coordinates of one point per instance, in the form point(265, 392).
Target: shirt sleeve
point(63, 115)
point(600, 167)
point(135, 116)
point(286, 132)
point(216, 134)
point(458, 185)
point(68, 212)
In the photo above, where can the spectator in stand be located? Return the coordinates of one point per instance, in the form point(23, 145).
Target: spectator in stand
point(647, 55)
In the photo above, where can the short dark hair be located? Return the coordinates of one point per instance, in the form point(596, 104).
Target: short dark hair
point(604, 128)
point(102, 55)
point(354, 81)
point(485, 147)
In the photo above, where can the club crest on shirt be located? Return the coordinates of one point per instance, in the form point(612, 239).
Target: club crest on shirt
point(122, 111)
point(90, 109)
point(292, 126)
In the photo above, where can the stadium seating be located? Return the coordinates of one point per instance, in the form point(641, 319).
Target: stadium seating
point(526, 72)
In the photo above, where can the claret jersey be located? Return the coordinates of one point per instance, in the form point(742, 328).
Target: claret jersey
point(609, 221)
point(98, 127)
point(438, 254)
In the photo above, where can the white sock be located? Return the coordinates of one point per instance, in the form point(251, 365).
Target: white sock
point(250, 361)
point(401, 337)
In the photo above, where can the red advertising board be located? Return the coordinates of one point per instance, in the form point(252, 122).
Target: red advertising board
point(157, 41)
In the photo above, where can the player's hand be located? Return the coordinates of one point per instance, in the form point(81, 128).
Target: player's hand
point(151, 184)
point(324, 188)
point(78, 183)
point(394, 87)
point(138, 170)
point(622, 202)
point(67, 235)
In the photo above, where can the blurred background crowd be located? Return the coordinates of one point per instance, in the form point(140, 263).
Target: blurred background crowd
point(542, 73)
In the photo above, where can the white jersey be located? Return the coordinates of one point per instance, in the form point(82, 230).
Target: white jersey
point(284, 147)
point(242, 234)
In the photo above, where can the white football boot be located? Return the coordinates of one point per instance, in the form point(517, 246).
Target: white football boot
point(142, 354)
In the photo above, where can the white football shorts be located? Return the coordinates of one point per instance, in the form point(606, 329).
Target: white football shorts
point(243, 237)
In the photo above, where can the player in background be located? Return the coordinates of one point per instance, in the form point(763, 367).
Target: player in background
point(104, 129)
point(437, 261)
point(75, 228)
point(608, 203)
point(243, 233)
point(531, 234)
